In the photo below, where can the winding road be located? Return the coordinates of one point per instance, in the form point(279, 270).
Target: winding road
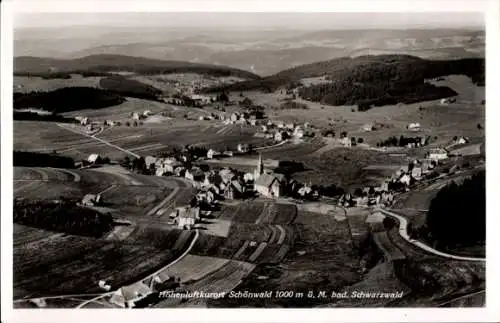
point(403, 232)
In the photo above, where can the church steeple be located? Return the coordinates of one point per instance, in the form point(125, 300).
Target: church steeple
point(260, 168)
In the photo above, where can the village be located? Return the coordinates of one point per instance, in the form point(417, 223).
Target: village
point(215, 184)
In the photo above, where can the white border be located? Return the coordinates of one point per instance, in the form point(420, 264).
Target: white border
point(490, 313)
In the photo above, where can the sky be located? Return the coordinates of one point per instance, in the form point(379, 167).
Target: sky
point(266, 20)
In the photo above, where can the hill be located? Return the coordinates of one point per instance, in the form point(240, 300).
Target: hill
point(368, 80)
point(102, 64)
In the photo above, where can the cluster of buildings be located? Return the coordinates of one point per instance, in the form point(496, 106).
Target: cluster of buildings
point(280, 131)
point(401, 179)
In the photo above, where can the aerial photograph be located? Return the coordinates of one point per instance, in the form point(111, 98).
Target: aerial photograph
point(249, 160)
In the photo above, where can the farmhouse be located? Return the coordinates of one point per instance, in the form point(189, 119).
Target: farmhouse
point(437, 154)
point(136, 116)
point(269, 185)
point(405, 179)
point(91, 200)
point(413, 126)
point(186, 216)
point(180, 171)
point(234, 190)
point(212, 153)
point(416, 173)
point(195, 174)
point(226, 174)
point(367, 127)
point(243, 148)
point(84, 121)
point(94, 159)
point(149, 160)
point(127, 296)
point(298, 133)
point(346, 142)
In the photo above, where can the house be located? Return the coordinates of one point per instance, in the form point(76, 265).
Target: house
point(91, 200)
point(228, 153)
point(149, 160)
point(234, 190)
point(413, 126)
point(127, 296)
point(235, 116)
point(253, 122)
point(278, 136)
point(448, 100)
point(346, 142)
point(367, 127)
point(461, 140)
point(270, 185)
point(136, 116)
point(94, 159)
point(212, 153)
point(180, 171)
point(290, 126)
point(405, 179)
point(195, 174)
point(84, 121)
point(226, 174)
point(146, 113)
point(201, 118)
point(206, 196)
point(248, 177)
point(416, 173)
point(243, 148)
point(264, 128)
point(186, 216)
point(437, 154)
point(280, 124)
point(298, 133)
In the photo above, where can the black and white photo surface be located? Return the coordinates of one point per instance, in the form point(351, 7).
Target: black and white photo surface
point(249, 160)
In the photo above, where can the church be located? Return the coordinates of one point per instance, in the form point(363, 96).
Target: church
point(267, 184)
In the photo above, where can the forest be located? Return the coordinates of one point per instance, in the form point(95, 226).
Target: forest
point(33, 116)
point(369, 80)
point(131, 88)
point(34, 159)
point(457, 215)
point(67, 99)
point(62, 217)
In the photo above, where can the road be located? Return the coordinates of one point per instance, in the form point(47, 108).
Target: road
point(99, 139)
point(403, 232)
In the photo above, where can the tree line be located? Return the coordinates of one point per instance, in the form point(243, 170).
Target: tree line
point(67, 99)
point(35, 159)
point(457, 215)
point(62, 217)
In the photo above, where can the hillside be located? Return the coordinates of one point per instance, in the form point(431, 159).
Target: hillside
point(103, 63)
point(367, 80)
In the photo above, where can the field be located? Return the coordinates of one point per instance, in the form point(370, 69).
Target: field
point(344, 166)
point(445, 121)
point(144, 140)
point(308, 264)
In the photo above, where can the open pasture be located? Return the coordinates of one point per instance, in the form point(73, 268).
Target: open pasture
point(122, 111)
